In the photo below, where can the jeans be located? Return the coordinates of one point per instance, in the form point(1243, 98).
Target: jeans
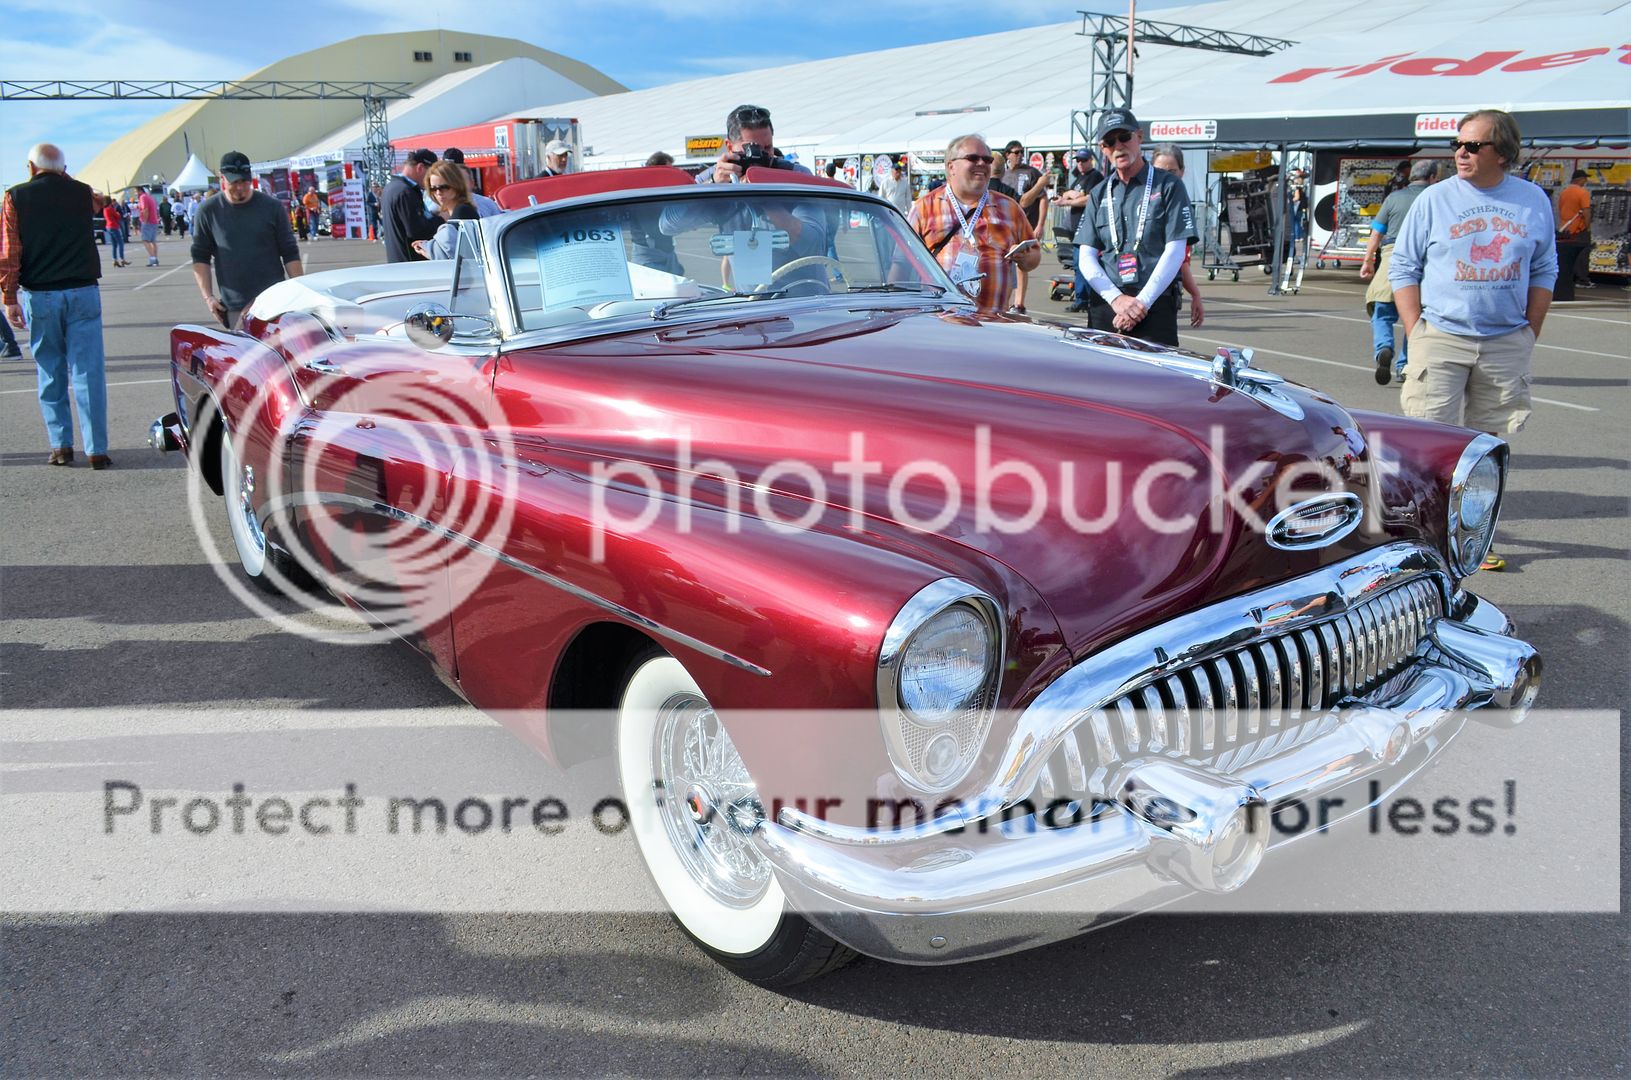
point(65, 333)
point(1078, 289)
point(116, 244)
point(1384, 315)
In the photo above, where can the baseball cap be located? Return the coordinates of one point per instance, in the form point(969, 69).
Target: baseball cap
point(234, 166)
point(1084, 154)
point(1013, 144)
point(453, 154)
point(1115, 120)
point(556, 146)
point(422, 157)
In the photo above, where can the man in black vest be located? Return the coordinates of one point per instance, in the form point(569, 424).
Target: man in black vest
point(402, 205)
point(48, 262)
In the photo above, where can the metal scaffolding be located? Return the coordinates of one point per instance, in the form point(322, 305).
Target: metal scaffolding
point(373, 95)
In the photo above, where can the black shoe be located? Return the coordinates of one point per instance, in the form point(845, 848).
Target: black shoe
point(1384, 365)
point(11, 352)
point(1077, 307)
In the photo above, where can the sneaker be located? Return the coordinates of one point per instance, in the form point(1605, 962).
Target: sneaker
point(1384, 365)
point(10, 352)
point(1077, 307)
point(1584, 285)
point(1492, 561)
point(1398, 377)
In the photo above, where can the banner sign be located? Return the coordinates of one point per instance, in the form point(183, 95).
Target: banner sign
point(1431, 124)
point(1183, 131)
point(707, 146)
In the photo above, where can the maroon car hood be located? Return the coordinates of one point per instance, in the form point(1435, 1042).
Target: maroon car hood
point(916, 387)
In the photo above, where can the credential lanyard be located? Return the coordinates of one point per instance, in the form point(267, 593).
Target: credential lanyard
point(1143, 211)
point(966, 221)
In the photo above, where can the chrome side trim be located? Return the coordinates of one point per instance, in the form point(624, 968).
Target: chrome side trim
point(373, 506)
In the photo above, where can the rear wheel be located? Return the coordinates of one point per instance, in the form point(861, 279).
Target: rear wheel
point(693, 806)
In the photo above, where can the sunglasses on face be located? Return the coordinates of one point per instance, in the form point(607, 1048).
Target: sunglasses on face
point(1456, 145)
point(434, 188)
point(1116, 138)
point(976, 159)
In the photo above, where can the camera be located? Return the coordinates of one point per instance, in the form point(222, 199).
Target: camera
point(752, 155)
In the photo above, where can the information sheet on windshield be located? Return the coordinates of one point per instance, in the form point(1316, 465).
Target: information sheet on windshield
point(582, 265)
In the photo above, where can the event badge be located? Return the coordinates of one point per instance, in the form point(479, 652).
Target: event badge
point(1127, 267)
point(583, 265)
point(965, 271)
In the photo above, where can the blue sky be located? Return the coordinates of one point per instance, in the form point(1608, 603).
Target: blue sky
point(640, 43)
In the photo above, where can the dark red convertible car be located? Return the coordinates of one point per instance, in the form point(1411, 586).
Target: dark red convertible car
point(911, 632)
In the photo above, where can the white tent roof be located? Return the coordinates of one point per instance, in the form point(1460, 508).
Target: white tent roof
point(911, 98)
point(193, 176)
point(454, 100)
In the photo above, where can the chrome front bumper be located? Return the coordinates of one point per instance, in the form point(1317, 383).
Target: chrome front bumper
point(1153, 827)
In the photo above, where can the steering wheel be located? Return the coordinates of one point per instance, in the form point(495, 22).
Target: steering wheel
point(799, 264)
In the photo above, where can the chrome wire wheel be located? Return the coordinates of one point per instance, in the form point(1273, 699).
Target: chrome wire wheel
point(709, 805)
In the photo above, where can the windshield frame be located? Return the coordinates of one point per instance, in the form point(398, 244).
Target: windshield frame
point(496, 232)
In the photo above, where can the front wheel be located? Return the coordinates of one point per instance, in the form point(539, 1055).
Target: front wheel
point(692, 806)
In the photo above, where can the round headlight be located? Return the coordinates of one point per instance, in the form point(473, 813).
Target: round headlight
point(945, 667)
point(938, 668)
point(1483, 489)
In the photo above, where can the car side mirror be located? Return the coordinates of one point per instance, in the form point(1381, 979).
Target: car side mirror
point(429, 326)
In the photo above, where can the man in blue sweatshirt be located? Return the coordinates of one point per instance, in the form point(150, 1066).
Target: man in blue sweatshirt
point(1472, 275)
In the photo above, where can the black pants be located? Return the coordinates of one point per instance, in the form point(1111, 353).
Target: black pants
point(1159, 326)
point(1568, 255)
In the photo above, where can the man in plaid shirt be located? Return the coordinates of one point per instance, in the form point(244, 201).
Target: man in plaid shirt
point(973, 231)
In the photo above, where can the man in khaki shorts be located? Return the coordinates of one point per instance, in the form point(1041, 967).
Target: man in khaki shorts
point(1472, 275)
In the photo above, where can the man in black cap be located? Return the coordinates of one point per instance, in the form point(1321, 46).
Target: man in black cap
point(246, 234)
point(1134, 237)
point(1084, 177)
point(402, 205)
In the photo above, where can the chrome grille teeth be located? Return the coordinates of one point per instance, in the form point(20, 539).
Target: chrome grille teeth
point(1155, 719)
point(1285, 684)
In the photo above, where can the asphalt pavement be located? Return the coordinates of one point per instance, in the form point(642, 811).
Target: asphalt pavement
point(108, 602)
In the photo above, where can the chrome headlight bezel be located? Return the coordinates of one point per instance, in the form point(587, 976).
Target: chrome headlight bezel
point(906, 736)
point(1466, 545)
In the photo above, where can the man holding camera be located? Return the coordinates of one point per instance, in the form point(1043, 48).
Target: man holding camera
point(750, 141)
point(1134, 238)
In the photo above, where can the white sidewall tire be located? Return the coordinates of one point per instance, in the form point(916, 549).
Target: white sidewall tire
point(734, 931)
point(251, 558)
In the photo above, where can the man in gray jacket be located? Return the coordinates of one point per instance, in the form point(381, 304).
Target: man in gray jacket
point(247, 235)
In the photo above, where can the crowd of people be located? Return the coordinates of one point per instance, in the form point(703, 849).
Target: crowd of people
point(1465, 269)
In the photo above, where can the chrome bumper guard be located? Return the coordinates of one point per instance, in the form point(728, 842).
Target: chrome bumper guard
point(164, 434)
point(1159, 825)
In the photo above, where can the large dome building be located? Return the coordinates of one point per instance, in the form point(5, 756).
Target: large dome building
point(457, 79)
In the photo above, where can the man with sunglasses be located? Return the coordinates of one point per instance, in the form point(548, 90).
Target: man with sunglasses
point(1472, 275)
point(246, 235)
point(1134, 237)
point(976, 233)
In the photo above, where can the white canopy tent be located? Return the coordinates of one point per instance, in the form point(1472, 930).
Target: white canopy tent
point(193, 176)
point(1566, 77)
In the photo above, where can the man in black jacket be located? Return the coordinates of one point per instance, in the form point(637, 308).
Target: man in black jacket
point(402, 205)
point(48, 251)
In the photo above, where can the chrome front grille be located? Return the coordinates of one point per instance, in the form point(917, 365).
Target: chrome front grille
point(1269, 692)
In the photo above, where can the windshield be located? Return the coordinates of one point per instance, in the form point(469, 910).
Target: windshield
point(685, 250)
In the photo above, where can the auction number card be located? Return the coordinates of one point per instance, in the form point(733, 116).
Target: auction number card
point(583, 265)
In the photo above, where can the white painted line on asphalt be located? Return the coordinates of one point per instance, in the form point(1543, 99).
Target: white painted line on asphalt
point(1275, 313)
point(1556, 314)
point(133, 382)
point(1365, 368)
point(161, 277)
